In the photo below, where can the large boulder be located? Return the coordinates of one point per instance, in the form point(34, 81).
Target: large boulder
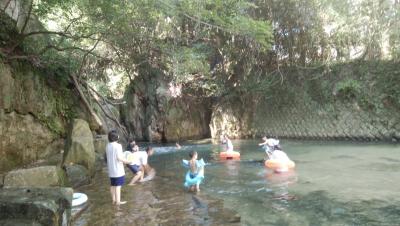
point(42, 176)
point(80, 147)
point(100, 144)
point(77, 175)
point(35, 206)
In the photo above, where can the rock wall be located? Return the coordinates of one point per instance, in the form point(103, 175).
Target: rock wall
point(153, 114)
point(35, 108)
point(357, 101)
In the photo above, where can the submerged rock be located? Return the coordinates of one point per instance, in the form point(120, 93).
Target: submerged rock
point(42, 176)
point(80, 148)
point(35, 206)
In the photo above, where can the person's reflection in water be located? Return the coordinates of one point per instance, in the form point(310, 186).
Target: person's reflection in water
point(233, 167)
point(279, 183)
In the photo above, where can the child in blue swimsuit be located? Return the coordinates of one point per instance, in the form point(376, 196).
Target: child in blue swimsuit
point(196, 172)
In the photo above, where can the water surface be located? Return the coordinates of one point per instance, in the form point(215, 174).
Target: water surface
point(334, 183)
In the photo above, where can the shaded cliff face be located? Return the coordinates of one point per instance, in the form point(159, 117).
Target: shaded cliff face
point(152, 114)
point(357, 101)
point(34, 111)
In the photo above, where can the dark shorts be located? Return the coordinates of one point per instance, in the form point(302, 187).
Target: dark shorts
point(134, 168)
point(117, 181)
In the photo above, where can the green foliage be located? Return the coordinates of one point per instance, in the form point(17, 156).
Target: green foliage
point(389, 82)
point(43, 8)
point(214, 47)
point(320, 91)
point(348, 88)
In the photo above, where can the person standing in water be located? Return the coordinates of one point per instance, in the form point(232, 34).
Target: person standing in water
point(228, 143)
point(194, 170)
point(115, 166)
point(195, 173)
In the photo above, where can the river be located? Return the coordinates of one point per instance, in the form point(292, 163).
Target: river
point(334, 183)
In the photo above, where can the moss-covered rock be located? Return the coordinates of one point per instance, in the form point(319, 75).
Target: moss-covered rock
point(39, 206)
point(42, 176)
point(34, 110)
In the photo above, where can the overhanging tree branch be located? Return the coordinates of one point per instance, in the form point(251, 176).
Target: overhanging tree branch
point(27, 17)
point(106, 101)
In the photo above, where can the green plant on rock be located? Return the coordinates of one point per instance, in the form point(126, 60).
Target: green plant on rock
point(348, 89)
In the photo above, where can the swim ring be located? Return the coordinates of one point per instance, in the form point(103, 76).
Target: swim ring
point(229, 155)
point(79, 199)
point(193, 181)
point(200, 175)
point(279, 166)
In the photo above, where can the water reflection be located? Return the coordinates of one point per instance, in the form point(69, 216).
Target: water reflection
point(232, 167)
point(279, 184)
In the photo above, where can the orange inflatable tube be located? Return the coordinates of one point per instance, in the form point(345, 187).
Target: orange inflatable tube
point(277, 164)
point(229, 155)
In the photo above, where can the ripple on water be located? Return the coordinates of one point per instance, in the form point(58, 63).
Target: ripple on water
point(158, 202)
point(334, 183)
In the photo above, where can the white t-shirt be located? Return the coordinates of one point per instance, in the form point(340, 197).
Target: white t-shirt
point(279, 155)
point(272, 142)
point(140, 158)
point(115, 167)
point(228, 145)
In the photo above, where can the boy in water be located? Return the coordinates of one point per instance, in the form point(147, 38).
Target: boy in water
point(115, 166)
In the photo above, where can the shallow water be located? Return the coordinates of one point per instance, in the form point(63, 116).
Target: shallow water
point(334, 183)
